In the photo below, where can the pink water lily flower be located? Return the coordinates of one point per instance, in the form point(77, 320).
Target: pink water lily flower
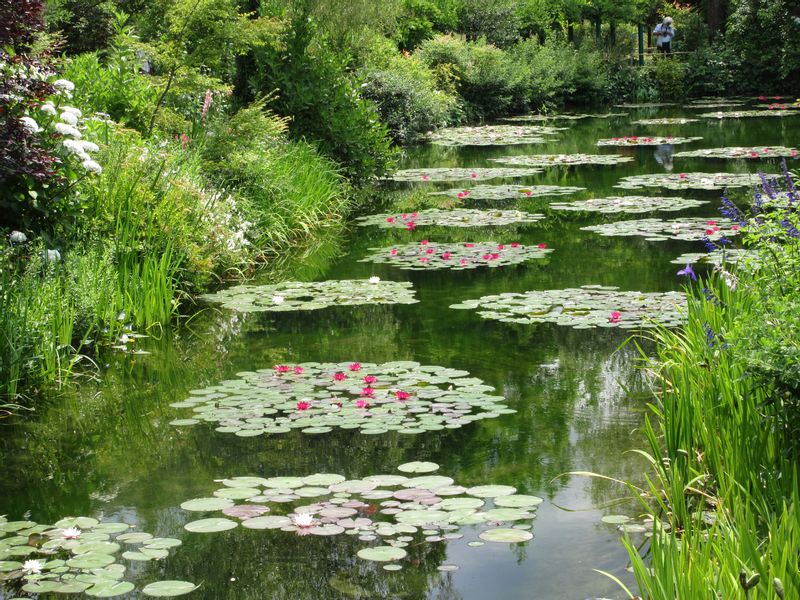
point(401, 395)
point(393, 251)
point(361, 403)
point(541, 246)
point(423, 259)
point(303, 405)
point(355, 367)
point(794, 153)
point(339, 376)
point(529, 193)
point(367, 391)
point(461, 195)
point(298, 370)
point(463, 262)
point(426, 177)
point(734, 228)
point(411, 226)
point(370, 379)
point(754, 155)
point(501, 246)
point(446, 255)
point(494, 256)
point(404, 216)
point(390, 219)
point(413, 215)
point(615, 316)
point(766, 150)
point(473, 175)
point(429, 251)
point(282, 368)
point(468, 245)
point(711, 222)
point(486, 256)
point(515, 244)
point(424, 242)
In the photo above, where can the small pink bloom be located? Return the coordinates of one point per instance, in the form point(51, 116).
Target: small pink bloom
point(501, 246)
point(401, 395)
point(734, 228)
point(541, 246)
point(762, 98)
point(515, 244)
point(711, 222)
point(367, 391)
point(426, 177)
point(754, 155)
point(411, 226)
point(423, 259)
point(339, 376)
point(682, 176)
point(794, 153)
point(390, 219)
point(461, 195)
point(413, 215)
point(446, 255)
point(298, 370)
point(463, 261)
point(469, 245)
point(370, 379)
point(770, 107)
point(766, 150)
point(709, 232)
point(494, 256)
point(355, 367)
point(429, 251)
point(303, 405)
point(616, 139)
point(424, 242)
point(361, 403)
point(282, 368)
point(486, 256)
point(777, 97)
point(466, 193)
point(473, 175)
point(393, 251)
point(615, 316)
point(529, 193)
point(404, 215)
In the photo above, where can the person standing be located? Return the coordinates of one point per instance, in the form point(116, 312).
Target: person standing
point(664, 33)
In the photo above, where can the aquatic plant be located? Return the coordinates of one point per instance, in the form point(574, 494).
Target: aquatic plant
point(462, 217)
point(635, 140)
point(561, 117)
point(548, 160)
point(461, 256)
point(504, 192)
point(746, 114)
point(735, 256)
point(458, 174)
point(492, 135)
point(697, 181)
point(732, 152)
point(665, 121)
point(629, 204)
point(656, 230)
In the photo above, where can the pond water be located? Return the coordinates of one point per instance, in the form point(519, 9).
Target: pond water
point(109, 450)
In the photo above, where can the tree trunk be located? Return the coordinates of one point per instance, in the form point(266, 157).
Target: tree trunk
point(715, 15)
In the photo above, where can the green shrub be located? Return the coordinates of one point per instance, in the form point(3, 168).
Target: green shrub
point(668, 76)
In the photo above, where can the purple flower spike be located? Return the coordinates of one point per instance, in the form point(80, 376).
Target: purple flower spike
point(688, 271)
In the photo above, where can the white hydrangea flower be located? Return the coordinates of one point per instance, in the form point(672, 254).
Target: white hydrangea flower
point(17, 237)
point(63, 85)
point(92, 166)
point(48, 109)
point(31, 125)
point(32, 567)
point(52, 256)
point(72, 110)
point(89, 146)
point(69, 118)
point(74, 147)
point(68, 130)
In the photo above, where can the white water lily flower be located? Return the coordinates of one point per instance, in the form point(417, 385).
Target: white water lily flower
point(92, 166)
point(69, 118)
point(72, 110)
point(30, 125)
point(89, 146)
point(278, 299)
point(71, 533)
point(32, 567)
point(68, 130)
point(17, 237)
point(48, 109)
point(303, 520)
point(64, 85)
point(374, 279)
point(52, 256)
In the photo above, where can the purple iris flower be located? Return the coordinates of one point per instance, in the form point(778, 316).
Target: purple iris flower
point(688, 271)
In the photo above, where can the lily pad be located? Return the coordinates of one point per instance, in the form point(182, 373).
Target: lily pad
point(210, 525)
point(636, 140)
point(645, 105)
point(207, 504)
point(417, 467)
point(110, 589)
point(615, 519)
point(518, 501)
point(736, 152)
point(491, 491)
point(749, 114)
point(506, 192)
point(456, 257)
point(459, 174)
point(735, 256)
point(715, 103)
point(293, 295)
point(697, 181)
point(665, 121)
point(504, 535)
point(588, 306)
point(555, 160)
point(691, 229)
point(462, 217)
point(382, 553)
point(561, 117)
point(163, 589)
point(492, 135)
point(629, 204)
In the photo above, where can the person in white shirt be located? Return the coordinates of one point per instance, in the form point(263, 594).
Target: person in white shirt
point(664, 33)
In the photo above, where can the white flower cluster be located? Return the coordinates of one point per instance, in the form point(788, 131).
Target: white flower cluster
point(227, 222)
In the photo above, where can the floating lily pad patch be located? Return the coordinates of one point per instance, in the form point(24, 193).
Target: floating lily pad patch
point(748, 114)
point(656, 230)
point(697, 181)
point(552, 160)
point(314, 398)
point(293, 295)
point(636, 140)
point(561, 117)
point(645, 105)
point(468, 255)
point(629, 204)
point(721, 103)
point(492, 135)
point(583, 308)
point(665, 121)
point(390, 512)
point(508, 192)
point(77, 555)
point(459, 217)
point(459, 174)
point(735, 256)
point(734, 152)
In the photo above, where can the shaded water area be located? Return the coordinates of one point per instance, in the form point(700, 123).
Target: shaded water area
point(109, 450)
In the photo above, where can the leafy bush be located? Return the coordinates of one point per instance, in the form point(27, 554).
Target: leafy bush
point(495, 21)
point(421, 19)
point(668, 76)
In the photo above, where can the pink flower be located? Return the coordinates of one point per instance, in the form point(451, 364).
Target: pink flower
point(461, 195)
point(541, 246)
point(734, 228)
point(390, 219)
point(303, 405)
point(424, 242)
point(754, 155)
point(446, 255)
point(339, 376)
point(362, 403)
point(393, 251)
point(298, 370)
point(355, 367)
point(494, 256)
point(682, 176)
point(429, 251)
point(762, 98)
point(426, 177)
point(473, 175)
point(711, 222)
point(413, 215)
point(770, 107)
point(615, 316)
point(468, 245)
point(766, 150)
point(501, 246)
point(404, 215)
point(709, 232)
point(401, 395)
point(515, 244)
point(486, 256)
point(794, 153)
point(369, 379)
point(777, 97)
point(466, 193)
point(367, 391)
point(529, 193)
point(411, 226)
point(423, 259)
point(463, 261)
point(282, 368)
point(616, 139)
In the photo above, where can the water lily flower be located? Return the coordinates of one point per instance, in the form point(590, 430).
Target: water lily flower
point(682, 176)
point(494, 256)
point(340, 376)
point(281, 368)
point(17, 237)
point(401, 395)
point(278, 299)
point(461, 195)
point(370, 379)
point(711, 222)
point(501, 246)
point(615, 316)
point(766, 150)
point(541, 246)
point(473, 175)
point(423, 259)
point(424, 242)
point(298, 370)
point(687, 271)
point(486, 257)
point(515, 244)
point(411, 226)
point(429, 251)
point(404, 216)
point(390, 219)
point(426, 177)
point(734, 228)
point(374, 279)
point(71, 533)
point(393, 251)
point(446, 255)
point(30, 125)
point(303, 405)
point(32, 567)
point(709, 232)
point(794, 153)
point(361, 403)
point(355, 367)
point(303, 520)
point(762, 98)
point(754, 155)
point(468, 245)
point(529, 192)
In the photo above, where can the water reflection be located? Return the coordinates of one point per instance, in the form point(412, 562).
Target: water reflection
point(663, 155)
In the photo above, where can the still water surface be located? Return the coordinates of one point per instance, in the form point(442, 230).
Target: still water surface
point(109, 451)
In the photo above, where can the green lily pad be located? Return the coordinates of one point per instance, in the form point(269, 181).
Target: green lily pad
point(207, 504)
point(558, 160)
point(615, 519)
point(629, 204)
point(735, 256)
point(456, 257)
point(461, 217)
point(508, 536)
point(382, 553)
point(506, 192)
point(665, 121)
point(518, 501)
point(90, 560)
point(691, 229)
point(268, 522)
point(561, 117)
point(645, 105)
point(647, 141)
point(491, 491)
point(163, 589)
point(736, 152)
point(459, 174)
point(492, 135)
point(697, 181)
point(210, 525)
point(747, 114)
point(110, 589)
point(136, 537)
point(417, 467)
point(100, 547)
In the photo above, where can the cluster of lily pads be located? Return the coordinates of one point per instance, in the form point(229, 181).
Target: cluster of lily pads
point(736, 256)
point(635, 140)
point(665, 121)
point(697, 181)
point(389, 512)
point(562, 117)
point(746, 114)
point(716, 103)
point(492, 135)
point(582, 308)
point(313, 398)
point(548, 160)
point(656, 230)
point(459, 174)
point(461, 217)
point(461, 256)
point(78, 555)
point(740, 152)
point(645, 105)
point(629, 204)
point(295, 295)
point(503, 192)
